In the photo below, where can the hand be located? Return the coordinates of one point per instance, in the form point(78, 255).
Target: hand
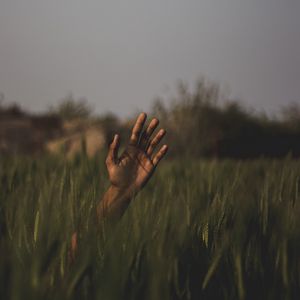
point(131, 171)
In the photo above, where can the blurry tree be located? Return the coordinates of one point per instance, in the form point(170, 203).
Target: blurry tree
point(71, 108)
point(12, 110)
point(159, 110)
point(199, 125)
point(192, 118)
point(111, 125)
point(291, 115)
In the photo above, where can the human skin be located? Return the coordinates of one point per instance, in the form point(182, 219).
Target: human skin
point(129, 172)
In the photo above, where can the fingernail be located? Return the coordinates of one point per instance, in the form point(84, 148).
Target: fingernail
point(155, 120)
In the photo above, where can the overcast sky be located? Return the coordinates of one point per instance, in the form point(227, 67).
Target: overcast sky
point(122, 54)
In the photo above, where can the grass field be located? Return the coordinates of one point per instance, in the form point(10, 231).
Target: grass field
point(199, 230)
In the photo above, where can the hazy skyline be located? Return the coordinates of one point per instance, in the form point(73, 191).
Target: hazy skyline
point(120, 55)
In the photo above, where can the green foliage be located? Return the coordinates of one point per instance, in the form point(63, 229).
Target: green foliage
point(191, 117)
point(71, 108)
point(291, 115)
point(201, 122)
point(200, 229)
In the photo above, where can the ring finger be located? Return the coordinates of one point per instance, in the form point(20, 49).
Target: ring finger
point(156, 140)
point(147, 133)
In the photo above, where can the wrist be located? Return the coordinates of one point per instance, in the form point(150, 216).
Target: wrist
point(123, 192)
point(115, 201)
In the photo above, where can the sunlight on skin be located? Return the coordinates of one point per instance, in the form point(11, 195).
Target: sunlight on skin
point(129, 172)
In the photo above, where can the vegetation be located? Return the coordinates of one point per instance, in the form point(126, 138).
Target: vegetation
point(201, 122)
point(70, 108)
point(200, 229)
point(204, 123)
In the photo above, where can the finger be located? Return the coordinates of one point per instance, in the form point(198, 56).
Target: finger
point(112, 155)
point(137, 129)
point(148, 132)
point(156, 140)
point(160, 154)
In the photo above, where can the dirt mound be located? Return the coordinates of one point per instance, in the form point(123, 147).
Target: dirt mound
point(31, 135)
point(90, 140)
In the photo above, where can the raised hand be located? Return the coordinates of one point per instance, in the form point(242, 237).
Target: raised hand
point(129, 172)
point(132, 170)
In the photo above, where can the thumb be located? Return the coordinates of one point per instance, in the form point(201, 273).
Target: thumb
point(112, 155)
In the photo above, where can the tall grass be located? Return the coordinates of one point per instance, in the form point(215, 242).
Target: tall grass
point(200, 229)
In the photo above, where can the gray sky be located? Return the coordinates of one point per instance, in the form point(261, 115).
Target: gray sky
point(121, 54)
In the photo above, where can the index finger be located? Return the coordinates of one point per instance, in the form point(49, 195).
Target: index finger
point(137, 129)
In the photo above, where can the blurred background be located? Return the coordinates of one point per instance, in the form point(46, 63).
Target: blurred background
point(222, 76)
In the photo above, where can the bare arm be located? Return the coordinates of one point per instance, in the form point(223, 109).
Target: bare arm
point(129, 173)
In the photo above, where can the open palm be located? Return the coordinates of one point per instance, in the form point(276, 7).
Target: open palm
point(132, 170)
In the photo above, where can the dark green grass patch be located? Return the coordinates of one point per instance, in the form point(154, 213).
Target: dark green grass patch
point(199, 230)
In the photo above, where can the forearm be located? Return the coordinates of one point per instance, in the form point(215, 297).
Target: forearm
point(113, 204)
point(111, 207)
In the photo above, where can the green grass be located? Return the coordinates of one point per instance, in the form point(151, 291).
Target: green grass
point(199, 230)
